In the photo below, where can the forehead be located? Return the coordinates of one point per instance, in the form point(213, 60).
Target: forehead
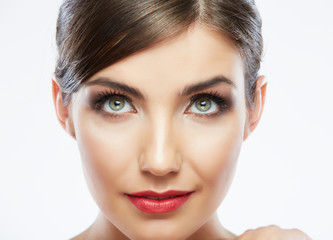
point(196, 54)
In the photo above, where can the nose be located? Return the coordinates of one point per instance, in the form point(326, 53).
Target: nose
point(160, 156)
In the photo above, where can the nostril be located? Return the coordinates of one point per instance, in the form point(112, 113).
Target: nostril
point(160, 155)
point(160, 170)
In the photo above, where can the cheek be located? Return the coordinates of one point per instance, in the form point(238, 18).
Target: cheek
point(214, 151)
point(107, 152)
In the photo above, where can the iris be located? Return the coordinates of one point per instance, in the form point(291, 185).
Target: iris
point(203, 104)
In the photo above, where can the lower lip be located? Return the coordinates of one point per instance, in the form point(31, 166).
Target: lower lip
point(159, 206)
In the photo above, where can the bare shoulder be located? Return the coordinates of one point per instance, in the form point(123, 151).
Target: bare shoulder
point(78, 237)
point(82, 236)
point(273, 232)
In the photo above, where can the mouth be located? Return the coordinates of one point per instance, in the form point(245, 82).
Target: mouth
point(154, 202)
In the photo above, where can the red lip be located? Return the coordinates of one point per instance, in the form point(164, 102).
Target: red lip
point(154, 202)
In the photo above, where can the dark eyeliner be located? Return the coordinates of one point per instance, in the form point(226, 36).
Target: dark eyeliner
point(222, 102)
point(100, 99)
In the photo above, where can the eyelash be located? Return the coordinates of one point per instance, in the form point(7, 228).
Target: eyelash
point(102, 97)
point(214, 96)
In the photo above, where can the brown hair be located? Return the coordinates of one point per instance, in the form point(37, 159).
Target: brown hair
point(93, 34)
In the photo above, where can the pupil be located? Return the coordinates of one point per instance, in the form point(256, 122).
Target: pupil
point(203, 105)
point(117, 104)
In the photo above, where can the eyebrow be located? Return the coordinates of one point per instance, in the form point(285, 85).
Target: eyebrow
point(107, 82)
point(206, 84)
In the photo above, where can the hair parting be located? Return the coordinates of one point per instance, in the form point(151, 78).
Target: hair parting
point(93, 34)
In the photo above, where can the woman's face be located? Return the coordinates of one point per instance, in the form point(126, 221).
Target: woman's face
point(169, 118)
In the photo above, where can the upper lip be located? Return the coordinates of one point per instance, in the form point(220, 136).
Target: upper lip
point(159, 195)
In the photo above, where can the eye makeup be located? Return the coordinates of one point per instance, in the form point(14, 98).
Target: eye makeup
point(222, 103)
point(100, 99)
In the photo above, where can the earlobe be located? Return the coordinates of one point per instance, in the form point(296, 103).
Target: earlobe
point(255, 112)
point(62, 110)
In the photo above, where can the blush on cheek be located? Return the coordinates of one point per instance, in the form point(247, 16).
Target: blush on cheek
point(214, 149)
point(214, 157)
point(105, 150)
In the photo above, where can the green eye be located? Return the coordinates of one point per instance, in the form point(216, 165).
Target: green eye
point(203, 104)
point(116, 103)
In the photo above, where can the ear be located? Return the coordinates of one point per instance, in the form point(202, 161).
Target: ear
point(62, 110)
point(255, 112)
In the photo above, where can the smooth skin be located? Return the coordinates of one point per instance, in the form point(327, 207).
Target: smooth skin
point(160, 139)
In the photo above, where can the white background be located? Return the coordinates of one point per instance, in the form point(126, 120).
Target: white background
point(284, 174)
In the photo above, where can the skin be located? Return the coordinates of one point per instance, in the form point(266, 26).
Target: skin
point(161, 142)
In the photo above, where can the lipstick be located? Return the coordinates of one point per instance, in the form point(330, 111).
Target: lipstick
point(154, 202)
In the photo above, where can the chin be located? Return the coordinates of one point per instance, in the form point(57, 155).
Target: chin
point(161, 230)
point(160, 235)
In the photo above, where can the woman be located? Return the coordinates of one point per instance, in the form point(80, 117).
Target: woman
point(159, 96)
